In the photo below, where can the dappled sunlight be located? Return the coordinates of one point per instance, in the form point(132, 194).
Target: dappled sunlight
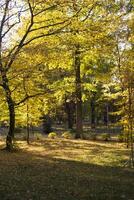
point(100, 153)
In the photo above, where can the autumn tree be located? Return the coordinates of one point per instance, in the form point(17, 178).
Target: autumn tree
point(32, 16)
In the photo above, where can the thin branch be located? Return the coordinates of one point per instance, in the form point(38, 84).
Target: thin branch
point(14, 88)
point(49, 25)
point(28, 97)
point(45, 9)
point(3, 35)
point(16, 49)
point(4, 17)
point(47, 34)
point(19, 46)
point(89, 12)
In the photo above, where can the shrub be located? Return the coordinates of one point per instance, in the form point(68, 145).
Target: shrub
point(52, 135)
point(66, 135)
point(121, 137)
point(93, 136)
point(106, 136)
point(38, 136)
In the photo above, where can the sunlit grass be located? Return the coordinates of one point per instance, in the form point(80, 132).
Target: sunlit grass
point(102, 153)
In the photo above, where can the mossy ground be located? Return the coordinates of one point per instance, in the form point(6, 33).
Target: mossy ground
point(60, 169)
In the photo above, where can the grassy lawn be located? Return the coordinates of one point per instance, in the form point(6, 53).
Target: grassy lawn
point(66, 170)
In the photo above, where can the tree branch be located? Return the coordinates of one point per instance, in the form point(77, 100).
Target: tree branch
point(19, 46)
point(3, 35)
point(47, 34)
point(45, 9)
point(4, 17)
point(89, 12)
point(28, 97)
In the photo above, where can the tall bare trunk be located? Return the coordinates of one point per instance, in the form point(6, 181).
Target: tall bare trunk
point(130, 117)
point(106, 114)
point(28, 131)
point(93, 117)
point(70, 109)
point(79, 126)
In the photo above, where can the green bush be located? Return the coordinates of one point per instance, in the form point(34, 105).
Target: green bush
point(106, 136)
point(52, 135)
point(121, 137)
point(38, 136)
point(66, 135)
point(93, 136)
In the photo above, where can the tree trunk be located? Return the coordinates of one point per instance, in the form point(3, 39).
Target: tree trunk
point(69, 108)
point(106, 114)
point(93, 110)
point(131, 145)
point(47, 124)
point(79, 126)
point(10, 136)
point(11, 108)
point(92, 104)
point(28, 131)
point(130, 118)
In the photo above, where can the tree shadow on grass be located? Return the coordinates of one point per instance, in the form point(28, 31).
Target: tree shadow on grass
point(80, 149)
point(28, 175)
point(67, 144)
